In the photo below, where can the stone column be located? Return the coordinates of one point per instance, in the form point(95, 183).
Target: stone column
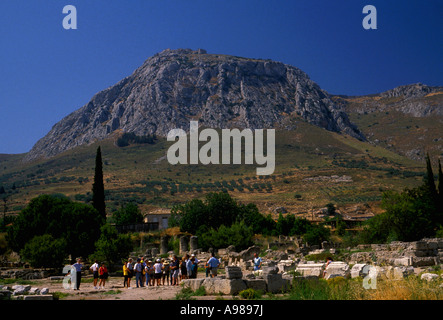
point(163, 245)
point(193, 243)
point(183, 244)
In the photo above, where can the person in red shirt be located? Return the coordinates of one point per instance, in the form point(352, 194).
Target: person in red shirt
point(103, 274)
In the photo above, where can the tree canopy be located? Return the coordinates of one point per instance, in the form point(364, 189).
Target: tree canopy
point(216, 210)
point(409, 215)
point(76, 223)
point(128, 214)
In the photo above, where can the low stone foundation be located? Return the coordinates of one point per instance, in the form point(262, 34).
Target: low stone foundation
point(233, 282)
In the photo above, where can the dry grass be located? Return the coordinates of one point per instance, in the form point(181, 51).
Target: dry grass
point(411, 288)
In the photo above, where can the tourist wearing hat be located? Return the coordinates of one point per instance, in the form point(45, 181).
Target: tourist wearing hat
point(166, 272)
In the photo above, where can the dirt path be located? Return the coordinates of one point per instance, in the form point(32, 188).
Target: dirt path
point(114, 290)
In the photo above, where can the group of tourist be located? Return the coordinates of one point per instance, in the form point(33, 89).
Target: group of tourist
point(99, 272)
point(153, 273)
point(165, 271)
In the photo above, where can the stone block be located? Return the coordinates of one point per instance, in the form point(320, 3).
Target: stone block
point(402, 272)
point(359, 270)
point(269, 270)
point(379, 247)
point(418, 245)
point(429, 276)
point(425, 261)
point(398, 245)
point(39, 297)
point(256, 284)
point(248, 254)
point(233, 272)
point(5, 294)
point(20, 289)
point(311, 269)
point(34, 290)
point(193, 284)
point(432, 245)
point(258, 273)
point(337, 269)
point(286, 265)
point(405, 261)
point(224, 286)
point(44, 291)
point(275, 283)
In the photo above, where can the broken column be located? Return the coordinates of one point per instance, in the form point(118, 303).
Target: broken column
point(193, 243)
point(163, 245)
point(183, 244)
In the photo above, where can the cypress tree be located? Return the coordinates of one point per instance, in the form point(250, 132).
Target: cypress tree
point(98, 188)
point(440, 191)
point(429, 179)
point(440, 182)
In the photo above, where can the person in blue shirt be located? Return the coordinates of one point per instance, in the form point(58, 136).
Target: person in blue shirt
point(78, 273)
point(257, 262)
point(213, 264)
point(174, 271)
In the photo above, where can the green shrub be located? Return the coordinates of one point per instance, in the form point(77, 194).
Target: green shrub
point(45, 251)
point(250, 294)
point(238, 234)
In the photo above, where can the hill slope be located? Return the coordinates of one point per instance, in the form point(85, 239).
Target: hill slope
point(321, 156)
point(407, 120)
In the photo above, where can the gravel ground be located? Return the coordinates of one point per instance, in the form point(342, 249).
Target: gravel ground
point(114, 290)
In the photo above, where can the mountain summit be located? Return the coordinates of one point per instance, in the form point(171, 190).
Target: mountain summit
point(220, 91)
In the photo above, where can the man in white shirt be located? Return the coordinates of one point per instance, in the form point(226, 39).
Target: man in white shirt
point(94, 269)
point(138, 273)
point(158, 267)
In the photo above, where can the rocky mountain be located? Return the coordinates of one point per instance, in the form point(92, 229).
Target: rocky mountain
point(220, 91)
point(417, 100)
point(407, 120)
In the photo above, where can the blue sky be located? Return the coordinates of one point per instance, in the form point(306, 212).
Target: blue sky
point(46, 72)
